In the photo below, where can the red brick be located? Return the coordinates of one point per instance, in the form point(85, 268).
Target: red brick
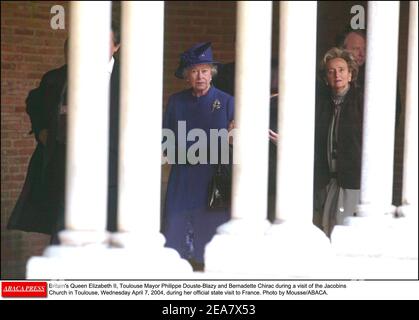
point(13, 177)
point(33, 75)
point(12, 57)
point(24, 31)
point(22, 143)
point(13, 169)
point(11, 185)
point(8, 66)
point(20, 109)
point(25, 151)
point(7, 48)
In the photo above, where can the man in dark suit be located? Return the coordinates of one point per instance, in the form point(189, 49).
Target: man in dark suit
point(40, 207)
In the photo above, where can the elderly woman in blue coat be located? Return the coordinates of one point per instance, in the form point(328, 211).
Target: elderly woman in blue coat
point(188, 224)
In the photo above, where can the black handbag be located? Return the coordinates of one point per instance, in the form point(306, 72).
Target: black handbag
point(219, 190)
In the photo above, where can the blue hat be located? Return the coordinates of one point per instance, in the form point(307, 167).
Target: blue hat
point(200, 53)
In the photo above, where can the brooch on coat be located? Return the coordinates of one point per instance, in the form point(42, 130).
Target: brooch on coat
point(216, 105)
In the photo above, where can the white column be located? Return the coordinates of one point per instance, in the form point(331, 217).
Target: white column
point(379, 109)
point(82, 254)
point(296, 112)
point(253, 56)
point(141, 118)
point(140, 145)
point(249, 194)
point(409, 206)
point(88, 104)
point(407, 221)
point(296, 247)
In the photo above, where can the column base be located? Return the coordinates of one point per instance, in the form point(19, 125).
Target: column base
point(62, 262)
point(142, 255)
point(140, 239)
point(83, 238)
point(160, 263)
point(369, 210)
point(134, 258)
point(376, 247)
point(296, 250)
point(283, 251)
point(408, 211)
point(363, 236)
point(236, 247)
point(244, 227)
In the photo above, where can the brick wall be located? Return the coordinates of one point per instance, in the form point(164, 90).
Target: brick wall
point(29, 48)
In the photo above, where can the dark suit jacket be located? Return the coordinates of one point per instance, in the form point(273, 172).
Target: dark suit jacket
point(349, 144)
point(40, 206)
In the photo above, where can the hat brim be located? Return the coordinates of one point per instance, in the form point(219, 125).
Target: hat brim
point(179, 71)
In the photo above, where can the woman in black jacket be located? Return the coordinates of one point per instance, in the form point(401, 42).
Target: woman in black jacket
point(338, 141)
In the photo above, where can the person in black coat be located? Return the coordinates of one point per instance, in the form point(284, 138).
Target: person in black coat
point(338, 141)
point(40, 206)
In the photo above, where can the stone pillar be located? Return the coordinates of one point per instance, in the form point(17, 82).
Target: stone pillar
point(296, 247)
point(138, 237)
point(88, 98)
point(87, 162)
point(296, 113)
point(375, 207)
point(379, 110)
point(407, 213)
point(238, 241)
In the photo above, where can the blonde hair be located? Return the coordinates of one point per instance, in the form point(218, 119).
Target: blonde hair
point(335, 53)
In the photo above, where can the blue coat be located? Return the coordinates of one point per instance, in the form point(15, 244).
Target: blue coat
point(188, 225)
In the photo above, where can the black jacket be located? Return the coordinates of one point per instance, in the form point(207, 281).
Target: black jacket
point(349, 141)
